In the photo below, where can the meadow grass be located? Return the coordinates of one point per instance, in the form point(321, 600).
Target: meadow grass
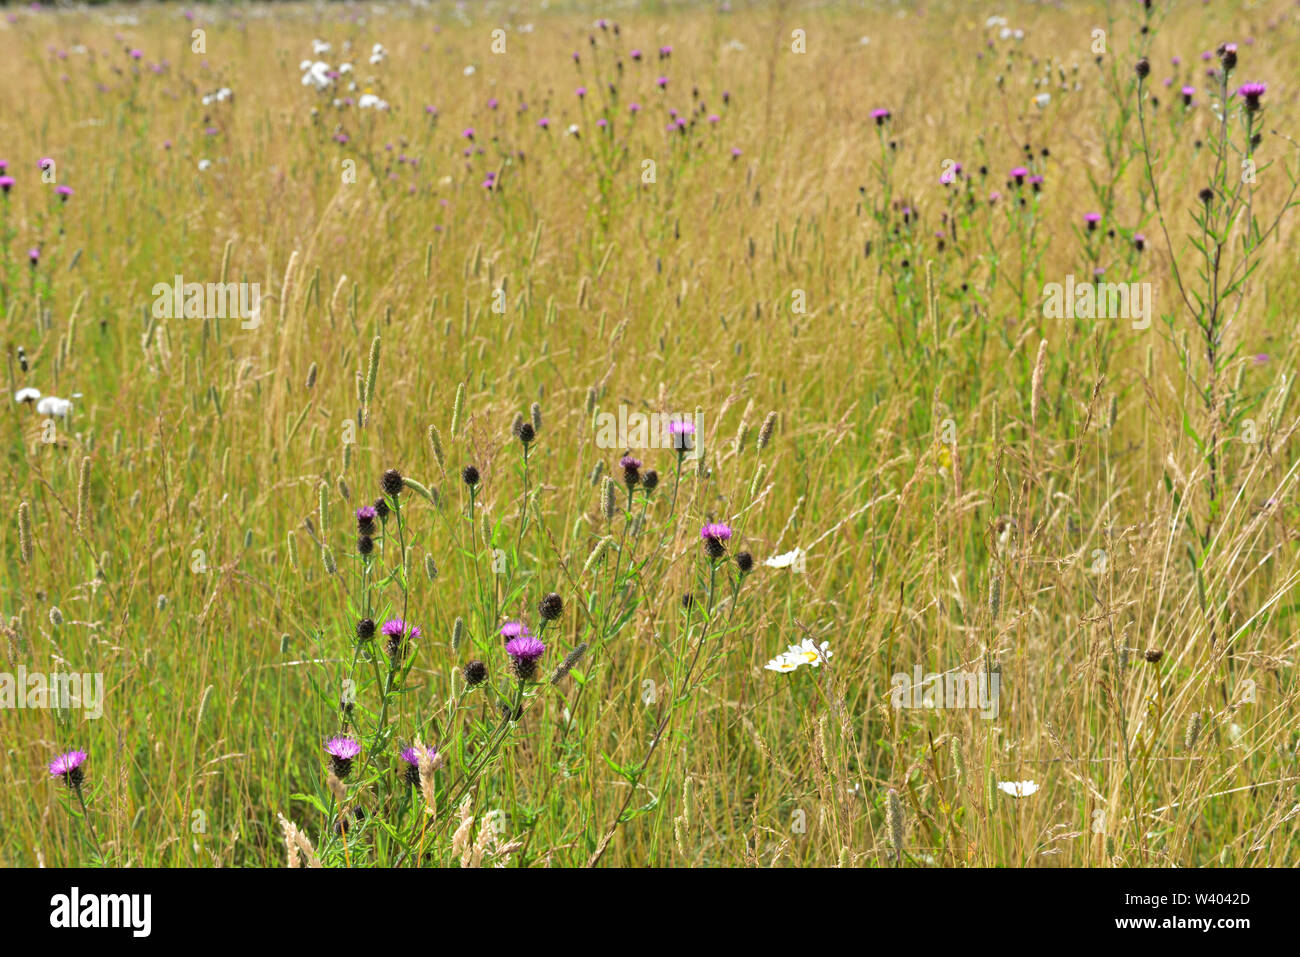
point(1094, 512)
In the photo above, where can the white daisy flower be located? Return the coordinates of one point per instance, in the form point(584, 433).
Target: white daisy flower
point(317, 75)
point(27, 395)
point(781, 664)
point(204, 164)
point(1042, 99)
point(53, 405)
point(573, 129)
point(469, 70)
point(1017, 789)
point(809, 653)
point(786, 560)
point(369, 100)
point(319, 46)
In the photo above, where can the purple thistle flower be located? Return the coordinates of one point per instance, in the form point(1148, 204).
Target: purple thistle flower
point(680, 432)
point(341, 750)
point(468, 133)
point(635, 54)
point(398, 633)
point(411, 756)
point(6, 183)
point(1092, 219)
point(1188, 92)
point(1139, 241)
point(880, 114)
point(715, 536)
point(634, 108)
point(580, 92)
point(63, 192)
point(1018, 174)
point(68, 767)
point(662, 82)
point(34, 255)
point(544, 123)
point(514, 629)
point(1252, 92)
point(366, 516)
point(524, 652)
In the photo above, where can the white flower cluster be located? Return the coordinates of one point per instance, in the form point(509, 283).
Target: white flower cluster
point(806, 653)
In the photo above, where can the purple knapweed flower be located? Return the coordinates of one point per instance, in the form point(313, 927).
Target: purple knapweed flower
point(524, 652)
point(68, 767)
point(715, 536)
point(1252, 92)
point(514, 629)
point(880, 114)
point(1092, 219)
point(341, 750)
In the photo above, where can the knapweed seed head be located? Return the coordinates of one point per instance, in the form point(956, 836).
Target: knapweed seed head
point(382, 510)
point(365, 629)
point(475, 673)
point(469, 475)
point(745, 562)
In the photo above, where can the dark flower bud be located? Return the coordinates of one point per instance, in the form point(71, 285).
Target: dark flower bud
point(1143, 68)
point(391, 482)
point(475, 673)
point(551, 607)
point(470, 476)
point(366, 629)
point(745, 562)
